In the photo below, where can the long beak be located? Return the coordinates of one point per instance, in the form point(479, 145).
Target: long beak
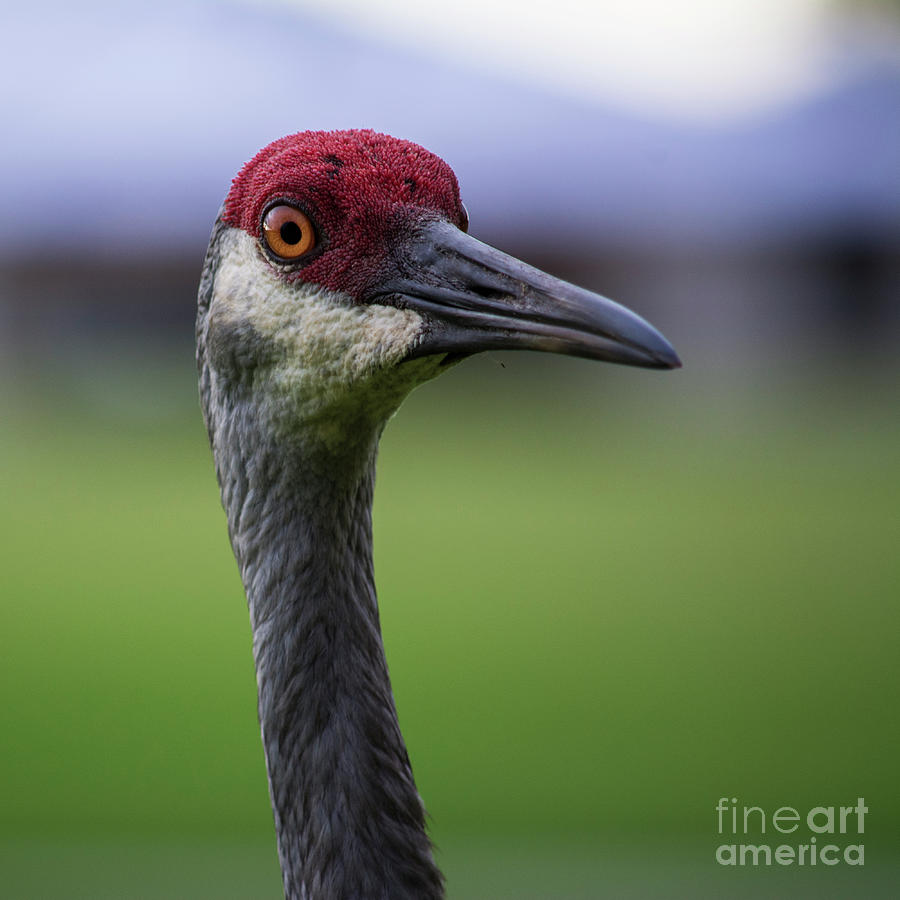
point(476, 298)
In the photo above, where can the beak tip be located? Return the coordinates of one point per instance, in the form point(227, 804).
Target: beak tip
point(671, 360)
point(660, 351)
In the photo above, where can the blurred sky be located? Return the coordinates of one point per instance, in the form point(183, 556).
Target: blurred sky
point(645, 122)
point(704, 58)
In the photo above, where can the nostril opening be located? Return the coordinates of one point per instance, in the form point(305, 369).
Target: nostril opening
point(489, 293)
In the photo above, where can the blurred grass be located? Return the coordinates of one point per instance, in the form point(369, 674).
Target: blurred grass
point(600, 617)
point(544, 869)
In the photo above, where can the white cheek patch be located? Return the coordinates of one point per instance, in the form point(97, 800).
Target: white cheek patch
point(319, 327)
point(326, 353)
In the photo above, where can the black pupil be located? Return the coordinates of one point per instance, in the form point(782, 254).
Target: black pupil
point(291, 233)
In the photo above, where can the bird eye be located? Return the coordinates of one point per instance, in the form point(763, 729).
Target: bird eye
point(288, 232)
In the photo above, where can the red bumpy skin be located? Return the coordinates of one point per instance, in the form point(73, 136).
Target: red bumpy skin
point(360, 188)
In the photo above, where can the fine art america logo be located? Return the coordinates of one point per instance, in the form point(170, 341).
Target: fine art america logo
point(818, 836)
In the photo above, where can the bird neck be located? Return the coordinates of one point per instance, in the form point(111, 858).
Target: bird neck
point(348, 817)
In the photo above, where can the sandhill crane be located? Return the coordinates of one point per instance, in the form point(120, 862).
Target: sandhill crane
point(339, 276)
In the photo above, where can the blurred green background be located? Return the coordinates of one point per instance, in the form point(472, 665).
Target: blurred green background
point(610, 597)
point(602, 612)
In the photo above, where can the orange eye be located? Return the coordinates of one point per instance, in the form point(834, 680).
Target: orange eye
point(288, 232)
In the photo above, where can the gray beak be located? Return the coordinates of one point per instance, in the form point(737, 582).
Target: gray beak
point(476, 298)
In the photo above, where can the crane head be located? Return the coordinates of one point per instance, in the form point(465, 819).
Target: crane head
point(340, 275)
